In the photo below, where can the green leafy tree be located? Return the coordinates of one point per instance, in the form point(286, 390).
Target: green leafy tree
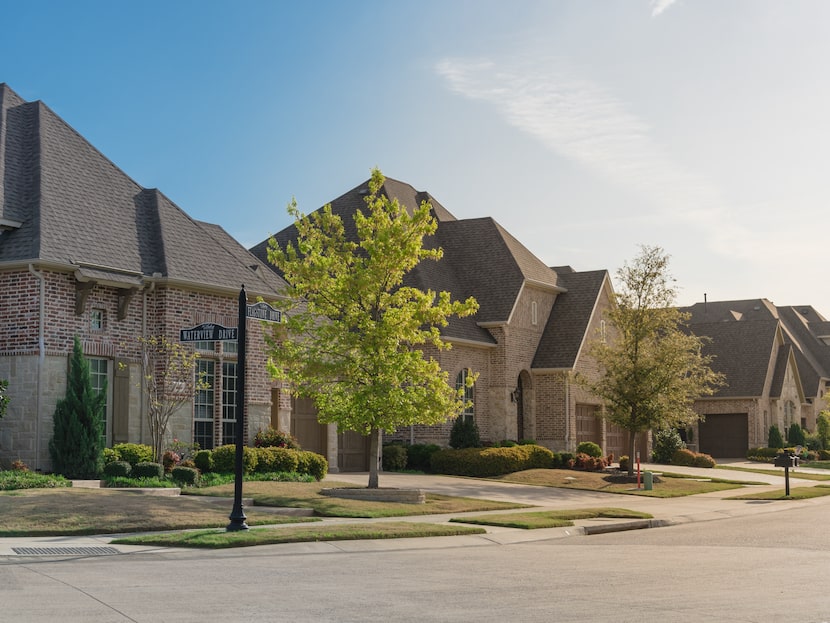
point(653, 368)
point(353, 336)
point(168, 381)
point(77, 443)
point(823, 429)
point(4, 397)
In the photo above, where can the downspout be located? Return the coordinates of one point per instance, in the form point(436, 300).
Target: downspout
point(143, 405)
point(41, 358)
point(567, 411)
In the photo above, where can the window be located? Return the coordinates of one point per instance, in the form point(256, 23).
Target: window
point(229, 428)
point(203, 405)
point(96, 319)
point(99, 370)
point(534, 314)
point(206, 346)
point(469, 393)
point(230, 347)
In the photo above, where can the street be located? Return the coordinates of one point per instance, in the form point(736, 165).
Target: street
point(744, 569)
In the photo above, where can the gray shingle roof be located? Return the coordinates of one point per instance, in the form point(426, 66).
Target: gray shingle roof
point(481, 259)
point(77, 208)
point(567, 329)
point(742, 351)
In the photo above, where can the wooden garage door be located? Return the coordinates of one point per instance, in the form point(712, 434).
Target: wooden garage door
point(725, 435)
point(587, 424)
point(304, 426)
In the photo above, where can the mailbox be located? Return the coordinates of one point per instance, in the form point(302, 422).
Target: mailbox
point(785, 459)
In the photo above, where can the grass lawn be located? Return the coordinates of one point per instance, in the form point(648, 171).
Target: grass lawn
point(307, 495)
point(796, 493)
point(549, 519)
point(672, 485)
point(777, 471)
point(298, 534)
point(50, 512)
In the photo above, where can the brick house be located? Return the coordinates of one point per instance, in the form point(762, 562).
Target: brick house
point(526, 341)
point(86, 251)
point(777, 366)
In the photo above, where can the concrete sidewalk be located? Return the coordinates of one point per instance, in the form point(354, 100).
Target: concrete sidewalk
point(666, 511)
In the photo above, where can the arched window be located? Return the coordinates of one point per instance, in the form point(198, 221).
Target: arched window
point(469, 393)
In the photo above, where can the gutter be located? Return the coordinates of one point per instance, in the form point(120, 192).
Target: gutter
point(41, 347)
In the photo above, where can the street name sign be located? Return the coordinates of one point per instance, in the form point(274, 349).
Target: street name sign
point(208, 332)
point(263, 311)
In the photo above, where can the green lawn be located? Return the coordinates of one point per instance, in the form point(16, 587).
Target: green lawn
point(549, 519)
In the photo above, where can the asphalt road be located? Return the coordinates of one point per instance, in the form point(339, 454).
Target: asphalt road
point(756, 568)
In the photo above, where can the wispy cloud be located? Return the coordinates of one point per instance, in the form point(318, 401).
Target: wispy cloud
point(658, 6)
point(583, 122)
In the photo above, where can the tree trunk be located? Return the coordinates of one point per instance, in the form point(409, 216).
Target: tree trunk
point(632, 456)
point(374, 458)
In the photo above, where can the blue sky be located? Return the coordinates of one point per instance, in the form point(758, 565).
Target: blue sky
point(584, 127)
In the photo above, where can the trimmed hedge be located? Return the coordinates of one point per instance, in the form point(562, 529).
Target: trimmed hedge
point(484, 462)
point(133, 452)
point(394, 457)
point(418, 456)
point(203, 460)
point(185, 475)
point(692, 459)
point(590, 448)
point(312, 463)
point(118, 468)
point(147, 469)
point(224, 459)
point(276, 459)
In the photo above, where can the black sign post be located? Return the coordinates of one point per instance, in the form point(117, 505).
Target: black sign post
point(237, 516)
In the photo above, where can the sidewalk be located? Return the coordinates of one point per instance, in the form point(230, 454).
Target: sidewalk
point(666, 511)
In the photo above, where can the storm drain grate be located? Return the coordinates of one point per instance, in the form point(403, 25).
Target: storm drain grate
point(65, 551)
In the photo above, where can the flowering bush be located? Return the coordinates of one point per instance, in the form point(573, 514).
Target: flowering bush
point(273, 438)
point(19, 466)
point(170, 460)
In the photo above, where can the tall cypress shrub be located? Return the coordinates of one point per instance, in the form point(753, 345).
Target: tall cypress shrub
point(77, 443)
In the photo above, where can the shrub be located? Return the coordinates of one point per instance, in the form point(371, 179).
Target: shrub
point(666, 442)
point(118, 468)
point(185, 475)
point(762, 455)
point(507, 443)
point(312, 463)
point(170, 459)
point(683, 457)
point(133, 452)
point(274, 459)
point(824, 455)
point(703, 460)
point(273, 438)
point(19, 466)
point(527, 442)
point(485, 462)
point(774, 439)
point(147, 469)
point(795, 435)
point(588, 463)
point(418, 455)
point(624, 463)
point(224, 459)
point(813, 442)
point(464, 433)
point(14, 480)
point(203, 460)
point(823, 429)
point(590, 448)
point(539, 457)
point(393, 457)
point(111, 455)
point(566, 460)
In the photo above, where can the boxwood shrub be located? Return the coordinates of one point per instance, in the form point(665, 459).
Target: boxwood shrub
point(484, 462)
point(118, 468)
point(134, 452)
point(185, 475)
point(224, 459)
point(147, 469)
point(276, 459)
point(418, 455)
point(590, 448)
point(312, 463)
point(203, 460)
point(394, 457)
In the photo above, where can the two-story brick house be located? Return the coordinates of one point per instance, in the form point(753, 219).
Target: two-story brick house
point(86, 251)
point(526, 342)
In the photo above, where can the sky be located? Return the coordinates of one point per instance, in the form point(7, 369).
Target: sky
point(586, 128)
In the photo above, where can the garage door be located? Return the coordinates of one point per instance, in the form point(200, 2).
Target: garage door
point(725, 435)
point(304, 426)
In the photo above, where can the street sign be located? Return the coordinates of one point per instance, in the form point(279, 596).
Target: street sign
point(208, 332)
point(263, 311)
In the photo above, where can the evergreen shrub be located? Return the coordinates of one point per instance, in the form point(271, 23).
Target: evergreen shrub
point(118, 468)
point(418, 455)
point(666, 442)
point(774, 439)
point(795, 435)
point(224, 459)
point(147, 469)
point(185, 475)
point(133, 452)
point(394, 457)
point(485, 462)
point(464, 433)
point(204, 460)
point(590, 448)
point(273, 438)
point(273, 459)
point(312, 463)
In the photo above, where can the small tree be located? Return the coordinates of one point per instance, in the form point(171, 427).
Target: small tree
point(823, 429)
point(169, 381)
point(4, 398)
point(353, 338)
point(795, 435)
point(77, 442)
point(774, 439)
point(464, 433)
point(654, 368)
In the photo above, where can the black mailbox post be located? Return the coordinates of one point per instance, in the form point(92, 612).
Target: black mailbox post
point(786, 460)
